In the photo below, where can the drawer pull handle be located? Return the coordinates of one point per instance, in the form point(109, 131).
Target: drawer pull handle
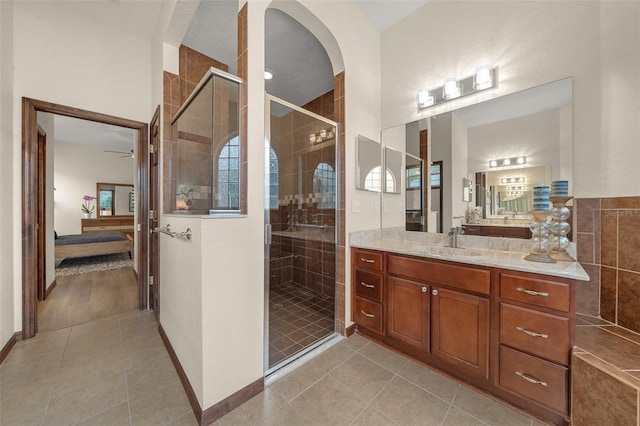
point(532, 292)
point(532, 333)
point(367, 285)
point(365, 260)
point(531, 379)
point(366, 314)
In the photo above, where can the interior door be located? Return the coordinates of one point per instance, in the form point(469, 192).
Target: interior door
point(154, 192)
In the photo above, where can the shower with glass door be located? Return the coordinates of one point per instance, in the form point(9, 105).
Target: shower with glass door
point(300, 214)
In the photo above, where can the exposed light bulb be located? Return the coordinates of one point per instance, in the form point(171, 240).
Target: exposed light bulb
point(268, 75)
point(483, 79)
point(451, 90)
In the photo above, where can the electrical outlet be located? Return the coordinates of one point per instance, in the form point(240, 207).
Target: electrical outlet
point(355, 206)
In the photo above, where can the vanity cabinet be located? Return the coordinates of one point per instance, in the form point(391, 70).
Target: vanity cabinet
point(537, 322)
point(504, 331)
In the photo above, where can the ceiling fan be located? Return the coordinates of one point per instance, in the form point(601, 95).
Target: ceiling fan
point(126, 153)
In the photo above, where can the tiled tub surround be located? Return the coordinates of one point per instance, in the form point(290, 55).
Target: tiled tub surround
point(608, 249)
point(605, 379)
point(505, 253)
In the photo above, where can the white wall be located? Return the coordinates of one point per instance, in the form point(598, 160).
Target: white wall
point(90, 66)
point(7, 147)
point(459, 170)
point(532, 43)
point(393, 205)
point(77, 170)
point(441, 131)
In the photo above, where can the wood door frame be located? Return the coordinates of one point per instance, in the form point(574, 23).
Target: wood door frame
point(154, 205)
point(41, 234)
point(30, 108)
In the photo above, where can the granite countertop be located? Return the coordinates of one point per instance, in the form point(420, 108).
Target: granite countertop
point(506, 253)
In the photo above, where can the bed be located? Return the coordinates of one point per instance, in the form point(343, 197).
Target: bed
point(82, 245)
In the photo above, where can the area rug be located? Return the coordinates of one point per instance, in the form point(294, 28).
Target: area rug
point(104, 262)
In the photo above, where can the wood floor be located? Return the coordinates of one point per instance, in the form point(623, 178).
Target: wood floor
point(77, 299)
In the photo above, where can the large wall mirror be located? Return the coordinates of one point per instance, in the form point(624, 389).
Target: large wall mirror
point(115, 199)
point(369, 166)
point(458, 147)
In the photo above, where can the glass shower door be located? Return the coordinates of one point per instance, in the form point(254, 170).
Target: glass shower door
point(300, 213)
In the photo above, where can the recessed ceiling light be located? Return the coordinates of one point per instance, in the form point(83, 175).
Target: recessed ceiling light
point(268, 75)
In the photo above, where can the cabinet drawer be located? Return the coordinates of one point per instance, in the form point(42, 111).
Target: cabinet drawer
point(368, 314)
point(476, 280)
point(533, 378)
point(369, 285)
point(539, 292)
point(473, 230)
point(538, 333)
point(368, 259)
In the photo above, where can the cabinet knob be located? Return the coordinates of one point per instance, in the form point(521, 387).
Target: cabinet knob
point(424, 289)
point(434, 291)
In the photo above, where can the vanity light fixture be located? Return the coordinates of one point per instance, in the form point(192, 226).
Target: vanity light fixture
point(322, 136)
point(516, 188)
point(452, 89)
point(504, 162)
point(506, 181)
point(484, 78)
point(425, 99)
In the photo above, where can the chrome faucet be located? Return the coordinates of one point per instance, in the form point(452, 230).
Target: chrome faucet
point(454, 232)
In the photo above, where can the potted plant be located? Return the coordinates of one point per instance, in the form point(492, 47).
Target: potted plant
point(87, 208)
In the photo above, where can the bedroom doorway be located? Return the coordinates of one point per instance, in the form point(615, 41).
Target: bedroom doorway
point(31, 248)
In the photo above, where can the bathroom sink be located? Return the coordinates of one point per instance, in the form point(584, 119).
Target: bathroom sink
point(448, 251)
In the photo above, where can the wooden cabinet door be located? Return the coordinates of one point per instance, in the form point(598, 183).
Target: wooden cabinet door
point(460, 330)
point(408, 312)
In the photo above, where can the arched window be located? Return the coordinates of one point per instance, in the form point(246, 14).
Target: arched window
point(324, 186)
point(373, 181)
point(273, 179)
point(228, 190)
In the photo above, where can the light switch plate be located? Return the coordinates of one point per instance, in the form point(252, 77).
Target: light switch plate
point(355, 206)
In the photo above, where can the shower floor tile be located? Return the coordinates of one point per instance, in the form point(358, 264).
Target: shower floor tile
point(298, 317)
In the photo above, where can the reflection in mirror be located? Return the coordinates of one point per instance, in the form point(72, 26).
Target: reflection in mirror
point(535, 123)
point(414, 195)
point(369, 167)
point(393, 168)
point(115, 199)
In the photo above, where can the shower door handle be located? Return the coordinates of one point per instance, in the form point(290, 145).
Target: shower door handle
point(267, 234)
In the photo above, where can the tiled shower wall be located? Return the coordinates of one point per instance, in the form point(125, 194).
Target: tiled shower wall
point(608, 240)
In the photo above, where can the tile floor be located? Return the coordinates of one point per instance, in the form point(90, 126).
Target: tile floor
point(298, 317)
point(116, 371)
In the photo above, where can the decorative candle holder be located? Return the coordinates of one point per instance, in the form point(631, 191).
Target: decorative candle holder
point(560, 228)
point(540, 241)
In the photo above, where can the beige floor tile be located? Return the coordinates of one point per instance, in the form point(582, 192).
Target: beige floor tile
point(90, 374)
point(332, 357)
point(429, 380)
point(157, 371)
point(160, 405)
point(355, 342)
point(383, 356)
point(363, 376)
point(85, 402)
point(46, 365)
point(256, 410)
point(286, 417)
point(371, 417)
point(407, 404)
point(107, 350)
point(188, 419)
point(488, 410)
point(27, 350)
point(30, 392)
point(95, 331)
point(328, 402)
point(16, 414)
point(456, 417)
point(118, 415)
point(298, 380)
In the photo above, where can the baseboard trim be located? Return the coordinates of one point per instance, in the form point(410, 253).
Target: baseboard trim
point(191, 395)
point(9, 345)
point(213, 413)
point(351, 329)
point(50, 289)
point(231, 402)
